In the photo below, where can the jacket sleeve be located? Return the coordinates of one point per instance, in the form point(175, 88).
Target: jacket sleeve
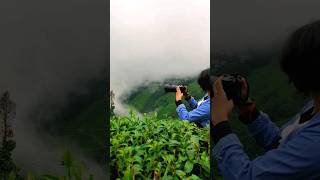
point(297, 159)
point(264, 131)
point(192, 103)
point(195, 115)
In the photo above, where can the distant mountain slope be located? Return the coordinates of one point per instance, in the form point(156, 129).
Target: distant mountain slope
point(152, 98)
point(88, 129)
point(268, 86)
point(273, 93)
point(82, 121)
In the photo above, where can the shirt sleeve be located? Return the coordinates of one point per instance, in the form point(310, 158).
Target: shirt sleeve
point(192, 103)
point(297, 159)
point(265, 132)
point(195, 115)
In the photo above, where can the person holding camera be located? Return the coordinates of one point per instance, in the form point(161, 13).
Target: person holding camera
point(293, 152)
point(200, 113)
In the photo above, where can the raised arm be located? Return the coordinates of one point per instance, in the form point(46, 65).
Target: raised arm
point(265, 132)
point(259, 125)
point(192, 103)
point(195, 115)
point(297, 159)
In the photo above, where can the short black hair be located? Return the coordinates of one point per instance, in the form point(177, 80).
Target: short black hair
point(204, 80)
point(301, 58)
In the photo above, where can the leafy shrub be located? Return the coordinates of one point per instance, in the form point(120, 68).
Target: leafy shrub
point(153, 148)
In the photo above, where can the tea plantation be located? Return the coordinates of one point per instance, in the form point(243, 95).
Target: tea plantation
point(151, 147)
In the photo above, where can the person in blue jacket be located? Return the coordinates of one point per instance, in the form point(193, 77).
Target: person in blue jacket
point(200, 113)
point(293, 151)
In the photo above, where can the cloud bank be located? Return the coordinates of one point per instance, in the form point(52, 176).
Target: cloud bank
point(152, 40)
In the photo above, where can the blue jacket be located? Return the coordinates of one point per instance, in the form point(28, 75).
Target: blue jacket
point(297, 156)
point(200, 114)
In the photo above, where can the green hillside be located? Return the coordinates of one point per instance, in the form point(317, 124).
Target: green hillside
point(87, 128)
point(82, 122)
point(268, 86)
point(152, 98)
point(273, 93)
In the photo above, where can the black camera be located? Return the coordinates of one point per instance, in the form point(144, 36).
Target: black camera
point(232, 86)
point(173, 88)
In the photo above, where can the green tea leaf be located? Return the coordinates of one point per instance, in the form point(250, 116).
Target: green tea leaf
point(188, 167)
point(166, 146)
point(127, 174)
point(180, 173)
point(194, 177)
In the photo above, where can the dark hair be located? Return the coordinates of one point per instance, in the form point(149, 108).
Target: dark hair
point(204, 79)
point(301, 58)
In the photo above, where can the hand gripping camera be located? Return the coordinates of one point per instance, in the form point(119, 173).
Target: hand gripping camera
point(232, 85)
point(172, 88)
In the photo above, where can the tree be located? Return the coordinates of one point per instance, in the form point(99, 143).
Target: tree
point(7, 114)
point(112, 104)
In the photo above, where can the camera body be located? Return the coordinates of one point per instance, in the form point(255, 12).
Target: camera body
point(232, 86)
point(173, 88)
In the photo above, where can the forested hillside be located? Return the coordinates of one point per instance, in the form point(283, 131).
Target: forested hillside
point(152, 98)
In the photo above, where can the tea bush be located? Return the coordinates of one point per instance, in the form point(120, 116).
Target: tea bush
point(154, 148)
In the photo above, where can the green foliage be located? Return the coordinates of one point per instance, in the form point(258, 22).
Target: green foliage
point(268, 86)
point(7, 166)
point(153, 98)
point(152, 147)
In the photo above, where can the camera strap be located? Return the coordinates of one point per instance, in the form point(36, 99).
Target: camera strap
point(205, 97)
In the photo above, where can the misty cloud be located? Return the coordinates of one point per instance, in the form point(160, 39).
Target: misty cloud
point(152, 40)
point(47, 50)
point(256, 23)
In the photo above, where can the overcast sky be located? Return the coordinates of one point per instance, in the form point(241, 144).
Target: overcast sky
point(239, 24)
point(155, 39)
